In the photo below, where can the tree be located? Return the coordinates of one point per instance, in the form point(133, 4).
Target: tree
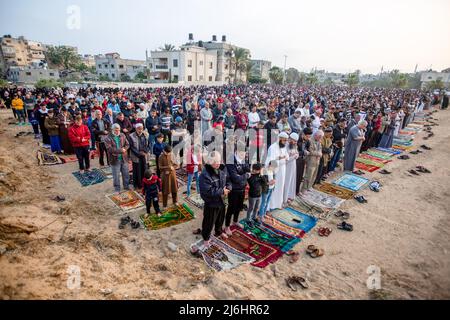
point(248, 70)
point(276, 75)
point(312, 79)
point(140, 76)
point(103, 78)
point(256, 80)
point(239, 60)
point(292, 75)
point(167, 47)
point(435, 84)
point(353, 79)
point(3, 83)
point(125, 78)
point(328, 82)
point(63, 57)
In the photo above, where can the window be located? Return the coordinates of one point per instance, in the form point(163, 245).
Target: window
point(201, 78)
point(189, 63)
point(52, 74)
point(100, 74)
point(201, 62)
point(112, 66)
point(99, 66)
point(19, 59)
point(120, 66)
point(175, 63)
point(210, 78)
point(28, 73)
point(189, 78)
point(113, 75)
point(106, 66)
point(226, 67)
point(210, 65)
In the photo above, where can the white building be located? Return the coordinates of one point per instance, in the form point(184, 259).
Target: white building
point(188, 64)
point(31, 75)
point(427, 77)
point(114, 67)
point(261, 68)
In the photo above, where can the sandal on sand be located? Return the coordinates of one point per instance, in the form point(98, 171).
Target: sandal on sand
point(342, 214)
point(317, 253)
point(358, 172)
point(423, 169)
point(301, 281)
point(384, 171)
point(412, 171)
point(345, 226)
point(324, 231)
point(135, 224)
point(195, 252)
point(291, 253)
point(425, 147)
point(360, 199)
point(198, 231)
point(294, 257)
point(415, 152)
point(403, 157)
point(375, 186)
point(291, 283)
point(124, 221)
point(311, 248)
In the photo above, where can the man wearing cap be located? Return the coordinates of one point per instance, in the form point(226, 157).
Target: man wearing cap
point(294, 121)
point(117, 146)
point(179, 131)
point(139, 151)
point(291, 168)
point(278, 152)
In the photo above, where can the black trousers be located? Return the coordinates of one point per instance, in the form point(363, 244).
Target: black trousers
point(83, 157)
point(138, 173)
point(158, 171)
point(102, 153)
point(300, 171)
point(152, 199)
point(212, 218)
point(235, 205)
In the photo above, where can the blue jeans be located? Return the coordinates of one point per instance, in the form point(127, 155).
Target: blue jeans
point(265, 198)
point(55, 144)
point(121, 167)
point(151, 141)
point(20, 115)
point(335, 159)
point(189, 182)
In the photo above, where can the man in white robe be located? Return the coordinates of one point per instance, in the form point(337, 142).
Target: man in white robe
point(278, 152)
point(291, 168)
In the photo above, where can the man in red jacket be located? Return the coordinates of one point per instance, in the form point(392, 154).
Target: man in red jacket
point(80, 137)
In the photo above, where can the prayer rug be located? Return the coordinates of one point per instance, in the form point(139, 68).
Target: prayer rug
point(127, 200)
point(388, 150)
point(370, 162)
point(89, 178)
point(262, 252)
point(282, 241)
point(351, 181)
point(294, 219)
point(275, 224)
point(107, 172)
point(196, 200)
point(402, 143)
point(334, 190)
point(47, 159)
point(365, 167)
point(172, 216)
point(379, 154)
point(310, 209)
point(405, 133)
point(69, 158)
point(220, 256)
point(403, 148)
point(369, 157)
point(322, 200)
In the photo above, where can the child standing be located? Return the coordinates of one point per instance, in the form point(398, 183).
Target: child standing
point(256, 183)
point(151, 186)
point(267, 188)
point(158, 148)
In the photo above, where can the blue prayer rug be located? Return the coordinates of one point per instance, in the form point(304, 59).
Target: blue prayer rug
point(89, 178)
point(351, 181)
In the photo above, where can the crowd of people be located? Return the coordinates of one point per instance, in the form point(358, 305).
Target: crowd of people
point(271, 142)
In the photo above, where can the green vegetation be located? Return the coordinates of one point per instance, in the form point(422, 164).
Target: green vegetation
point(276, 75)
point(64, 57)
point(240, 61)
point(44, 83)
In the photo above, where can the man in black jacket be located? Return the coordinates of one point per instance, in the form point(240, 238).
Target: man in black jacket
point(153, 125)
point(101, 128)
point(214, 187)
point(303, 150)
point(193, 116)
point(238, 173)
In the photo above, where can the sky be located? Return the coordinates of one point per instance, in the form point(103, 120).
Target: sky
point(337, 36)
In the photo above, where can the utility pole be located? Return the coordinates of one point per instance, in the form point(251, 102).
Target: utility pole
point(284, 77)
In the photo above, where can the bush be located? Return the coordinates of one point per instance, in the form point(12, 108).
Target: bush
point(3, 83)
point(256, 80)
point(48, 83)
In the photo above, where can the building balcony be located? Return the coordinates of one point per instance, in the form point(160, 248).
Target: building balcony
point(161, 66)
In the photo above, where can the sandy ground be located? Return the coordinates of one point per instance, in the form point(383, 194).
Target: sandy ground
point(404, 230)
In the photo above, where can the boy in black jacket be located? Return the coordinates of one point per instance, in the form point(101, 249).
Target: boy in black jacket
point(256, 183)
point(151, 186)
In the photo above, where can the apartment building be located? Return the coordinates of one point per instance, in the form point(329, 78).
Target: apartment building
point(261, 68)
point(427, 77)
point(114, 67)
point(30, 75)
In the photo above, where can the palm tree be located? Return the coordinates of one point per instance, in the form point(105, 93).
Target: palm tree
point(276, 75)
point(248, 69)
point(311, 78)
point(435, 84)
point(353, 79)
point(398, 80)
point(167, 47)
point(239, 60)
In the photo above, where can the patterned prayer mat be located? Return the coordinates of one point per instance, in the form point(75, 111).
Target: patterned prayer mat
point(405, 132)
point(351, 181)
point(262, 252)
point(277, 225)
point(127, 200)
point(47, 159)
point(402, 143)
point(282, 241)
point(403, 148)
point(310, 209)
point(366, 167)
point(220, 256)
point(294, 219)
point(196, 200)
point(370, 162)
point(107, 172)
point(172, 216)
point(89, 178)
point(379, 154)
point(322, 200)
point(369, 157)
point(68, 158)
point(334, 190)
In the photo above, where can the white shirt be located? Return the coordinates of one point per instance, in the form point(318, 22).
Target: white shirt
point(253, 119)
